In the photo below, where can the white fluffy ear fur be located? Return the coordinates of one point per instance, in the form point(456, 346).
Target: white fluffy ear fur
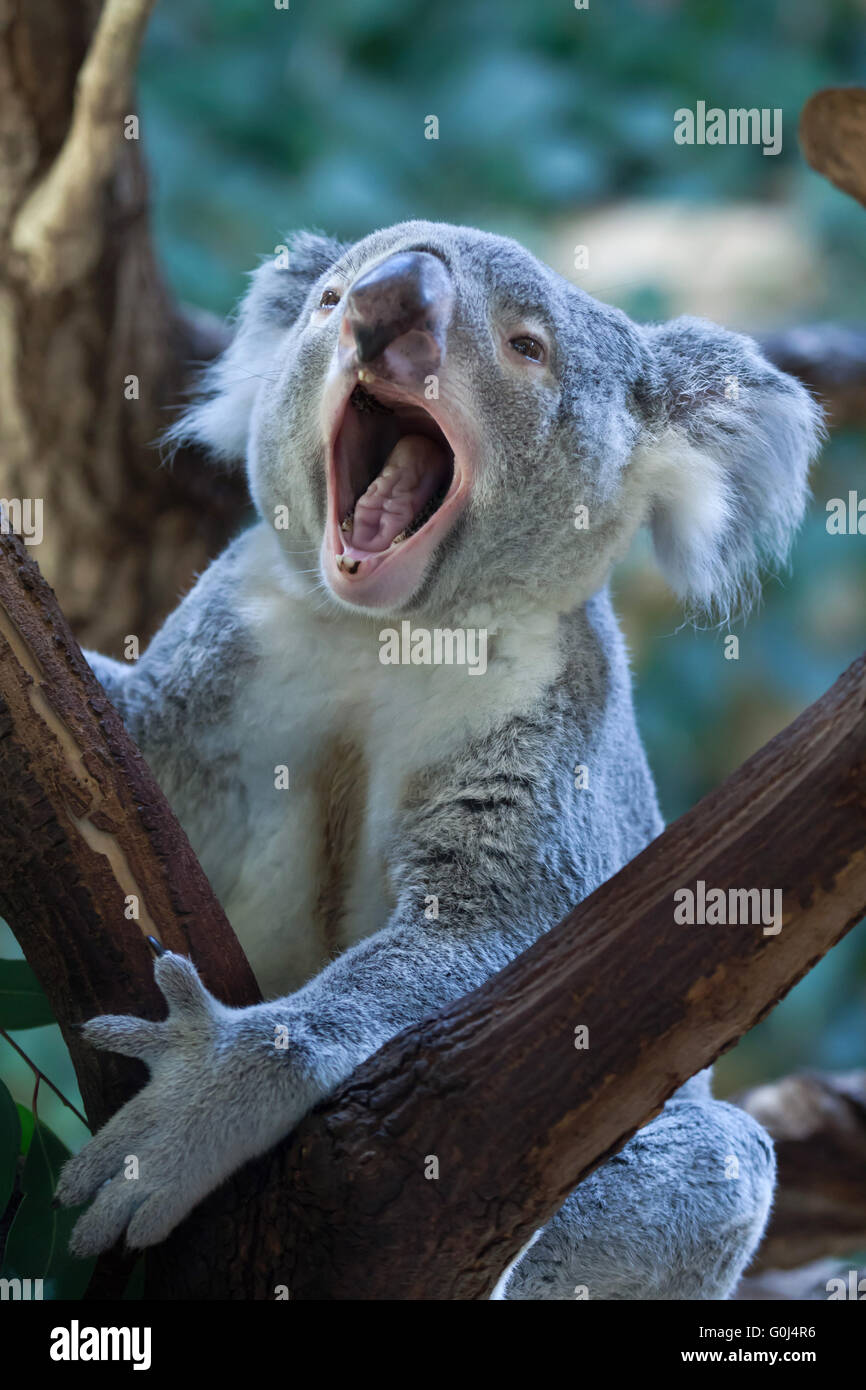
point(691, 510)
point(218, 420)
point(725, 463)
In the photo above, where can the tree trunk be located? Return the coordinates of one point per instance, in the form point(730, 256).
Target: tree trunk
point(83, 309)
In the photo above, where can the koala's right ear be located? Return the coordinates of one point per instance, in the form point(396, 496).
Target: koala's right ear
point(218, 420)
point(727, 459)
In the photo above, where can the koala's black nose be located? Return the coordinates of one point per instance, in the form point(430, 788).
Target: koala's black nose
point(409, 292)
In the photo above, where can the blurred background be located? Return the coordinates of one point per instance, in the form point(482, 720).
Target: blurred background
point(556, 126)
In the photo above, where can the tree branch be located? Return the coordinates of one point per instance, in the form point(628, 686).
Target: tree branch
point(86, 836)
point(59, 231)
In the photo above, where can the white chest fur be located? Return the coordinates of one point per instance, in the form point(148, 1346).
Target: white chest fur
point(328, 737)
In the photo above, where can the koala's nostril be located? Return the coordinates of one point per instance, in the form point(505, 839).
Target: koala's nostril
point(409, 291)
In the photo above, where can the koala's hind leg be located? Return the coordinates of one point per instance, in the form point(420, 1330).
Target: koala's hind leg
point(676, 1214)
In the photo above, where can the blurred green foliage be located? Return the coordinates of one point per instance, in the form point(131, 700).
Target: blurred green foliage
point(257, 120)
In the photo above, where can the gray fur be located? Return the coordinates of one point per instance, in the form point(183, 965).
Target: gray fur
point(464, 795)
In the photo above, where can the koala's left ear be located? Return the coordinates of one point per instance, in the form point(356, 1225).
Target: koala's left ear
point(727, 454)
point(219, 420)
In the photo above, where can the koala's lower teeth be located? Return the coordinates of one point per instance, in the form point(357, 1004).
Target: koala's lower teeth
point(423, 516)
point(350, 566)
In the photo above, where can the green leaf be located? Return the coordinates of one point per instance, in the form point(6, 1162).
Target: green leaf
point(10, 1145)
point(26, 1118)
point(38, 1243)
point(22, 1003)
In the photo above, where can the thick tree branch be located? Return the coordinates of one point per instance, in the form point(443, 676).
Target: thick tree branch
point(86, 837)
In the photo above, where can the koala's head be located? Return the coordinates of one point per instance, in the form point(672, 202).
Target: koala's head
point(443, 419)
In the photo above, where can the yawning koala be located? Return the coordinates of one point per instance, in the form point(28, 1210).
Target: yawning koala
point(438, 432)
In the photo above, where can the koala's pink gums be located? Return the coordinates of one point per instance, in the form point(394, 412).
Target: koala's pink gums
point(410, 479)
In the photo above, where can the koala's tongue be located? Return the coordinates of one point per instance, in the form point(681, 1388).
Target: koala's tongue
point(413, 472)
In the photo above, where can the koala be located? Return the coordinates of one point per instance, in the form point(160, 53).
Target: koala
point(422, 416)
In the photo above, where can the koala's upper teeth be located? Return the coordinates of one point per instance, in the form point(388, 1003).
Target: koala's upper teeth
point(346, 523)
point(402, 536)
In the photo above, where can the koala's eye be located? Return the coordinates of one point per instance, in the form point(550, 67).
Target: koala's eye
point(329, 299)
point(528, 347)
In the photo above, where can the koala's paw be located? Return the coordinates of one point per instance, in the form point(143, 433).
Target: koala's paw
point(210, 1104)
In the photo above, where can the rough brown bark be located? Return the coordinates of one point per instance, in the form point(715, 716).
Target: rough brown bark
point(83, 826)
point(83, 307)
point(818, 1124)
point(494, 1087)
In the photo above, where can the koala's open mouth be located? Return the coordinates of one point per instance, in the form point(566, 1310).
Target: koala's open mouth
point(392, 489)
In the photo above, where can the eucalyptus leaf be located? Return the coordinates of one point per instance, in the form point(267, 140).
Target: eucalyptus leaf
point(38, 1243)
point(10, 1145)
point(22, 1002)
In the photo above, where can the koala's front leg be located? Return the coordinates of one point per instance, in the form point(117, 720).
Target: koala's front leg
point(227, 1084)
point(219, 1093)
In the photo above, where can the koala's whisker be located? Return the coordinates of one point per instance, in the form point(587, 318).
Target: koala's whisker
point(227, 380)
